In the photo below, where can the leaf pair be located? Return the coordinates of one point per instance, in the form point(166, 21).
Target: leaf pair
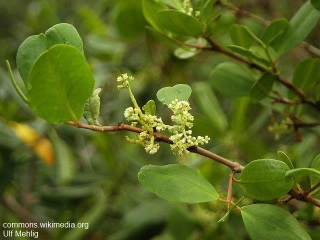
point(56, 74)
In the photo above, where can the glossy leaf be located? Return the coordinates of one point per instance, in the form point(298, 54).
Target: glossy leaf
point(315, 4)
point(179, 23)
point(35, 45)
point(180, 91)
point(232, 79)
point(274, 30)
point(300, 25)
point(60, 82)
point(248, 54)
point(265, 179)
point(177, 183)
point(263, 86)
point(299, 172)
point(92, 107)
point(306, 74)
point(265, 222)
point(150, 108)
point(150, 9)
point(284, 157)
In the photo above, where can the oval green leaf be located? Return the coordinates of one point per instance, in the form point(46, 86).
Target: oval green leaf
point(242, 36)
point(150, 9)
point(265, 222)
point(178, 183)
point(299, 172)
point(209, 105)
point(315, 179)
point(60, 82)
point(284, 158)
point(306, 74)
point(265, 179)
point(179, 23)
point(248, 54)
point(274, 30)
point(179, 91)
point(232, 79)
point(262, 87)
point(34, 46)
point(300, 25)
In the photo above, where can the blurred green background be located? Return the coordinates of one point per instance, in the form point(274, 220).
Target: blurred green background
point(94, 175)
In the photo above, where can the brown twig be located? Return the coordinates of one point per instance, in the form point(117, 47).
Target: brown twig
point(234, 166)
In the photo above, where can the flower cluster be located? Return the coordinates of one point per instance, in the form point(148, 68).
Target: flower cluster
point(125, 80)
point(182, 139)
point(181, 131)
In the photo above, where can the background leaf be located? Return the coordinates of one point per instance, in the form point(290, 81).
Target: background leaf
point(306, 74)
point(60, 82)
point(231, 79)
point(298, 172)
point(178, 183)
point(179, 91)
point(265, 222)
point(265, 179)
point(315, 4)
point(315, 179)
point(274, 30)
point(179, 23)
point(283, 157)
point(34, 46)
point(263, 86)
point(300, 25)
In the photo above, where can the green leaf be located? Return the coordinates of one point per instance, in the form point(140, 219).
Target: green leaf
point(284, 157)
point(265, 222)
point(306, 74)
point(248, 54)
point(64, 160)
point(209, 105)
point(92, 107)
point(242, 36)
point(177, 4)
point(177, 183)
point(35, 45)
point(299, 28)
point(232, 79)
point(128, 19)
point(168, 94)
point(316, 4)
point(179, 23)
point(263, 86)
point(60, 82)
point(315, 179)
point(150, 108)
point(299, 172)
point(274, 30)
point(186, 52)
point(265, 179)
point(150, 9)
